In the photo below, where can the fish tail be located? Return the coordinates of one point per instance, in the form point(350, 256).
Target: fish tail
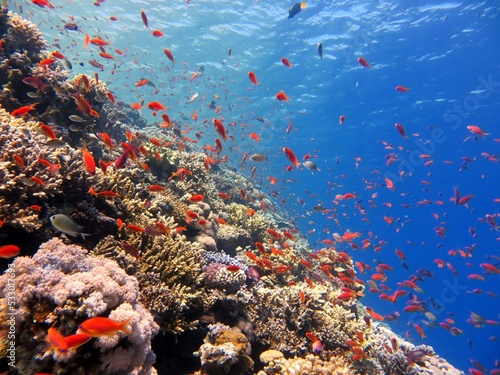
point(125, 327)
point(85, 234)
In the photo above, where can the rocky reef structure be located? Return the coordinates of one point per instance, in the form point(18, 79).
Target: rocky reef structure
point(204, 265)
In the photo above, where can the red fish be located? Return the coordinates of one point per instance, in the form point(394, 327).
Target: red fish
point(169, 54)
point(106, 55)
point(156, 106)
point(285, 62)
point(341, 119)
point(9, 251)
point(88, 160)
point(253, 78)
point(157, 33)
point(477, 130)
point(219, 126)
point(99, 326)
point(363, 62)
point(76, 340)
point(81, 103)
point(48, 131)
point(400, 130)
point(98, 42)
point(86, 41)
point(144, 18)
point(490, 268)
point(402, 89)
point(43, 3)
point(291, 156)
point(56, 340)
point(23, 110)
point(197, 198)
point(281, 96)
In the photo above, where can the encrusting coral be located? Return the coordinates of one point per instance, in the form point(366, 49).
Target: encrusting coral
point(61, 286)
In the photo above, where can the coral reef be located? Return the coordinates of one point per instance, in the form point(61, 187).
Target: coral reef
point(198, 253)
point(225, 351)
point(275, 364)
point(34, 173)
point(61, 286)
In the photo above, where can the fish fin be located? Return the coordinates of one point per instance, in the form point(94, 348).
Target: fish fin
point(85, 234)
point(303, 5)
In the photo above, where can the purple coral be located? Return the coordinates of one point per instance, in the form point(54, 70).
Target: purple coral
point(62, 285)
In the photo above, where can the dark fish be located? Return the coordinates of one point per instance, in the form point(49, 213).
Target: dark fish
point(320, 50)
point(131, 249)
point(96, 64)
point(297, 7)
point(154, 231)
point(71, 26)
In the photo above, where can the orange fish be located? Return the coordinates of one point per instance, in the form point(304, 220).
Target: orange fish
point(156, 106)
point(37, 180)
point(76, 340)
point(106, 55)
point(88, 160)
point(106, 139)
point(473, 128)
point(56, 340)
point(142, 82)
point(23, 110)
point(137, 106)
point(255, 137)
point(169, 54)
point(389, 184)
point(57, 55)
point(157, 33)
point(419, 330)
point(291, 156)
point(253, 78)
point(46, 62)
point(285, 62)
point(86, 41)
point(363, 62)
point(281, 96)
point(9, 251)
point(98, 42)
point(18, 160)
point(99, 326)
point(197, 198)
point(219, 126)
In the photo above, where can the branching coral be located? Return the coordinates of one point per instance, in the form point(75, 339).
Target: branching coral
point(255, 224)
point(62, 286)
point(171, 279)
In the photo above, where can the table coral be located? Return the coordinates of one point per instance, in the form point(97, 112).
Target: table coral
point(62, 286)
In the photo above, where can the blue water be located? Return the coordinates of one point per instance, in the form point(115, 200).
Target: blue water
point(445, 52)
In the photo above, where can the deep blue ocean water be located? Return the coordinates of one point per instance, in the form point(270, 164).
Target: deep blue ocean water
point(447, 53)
